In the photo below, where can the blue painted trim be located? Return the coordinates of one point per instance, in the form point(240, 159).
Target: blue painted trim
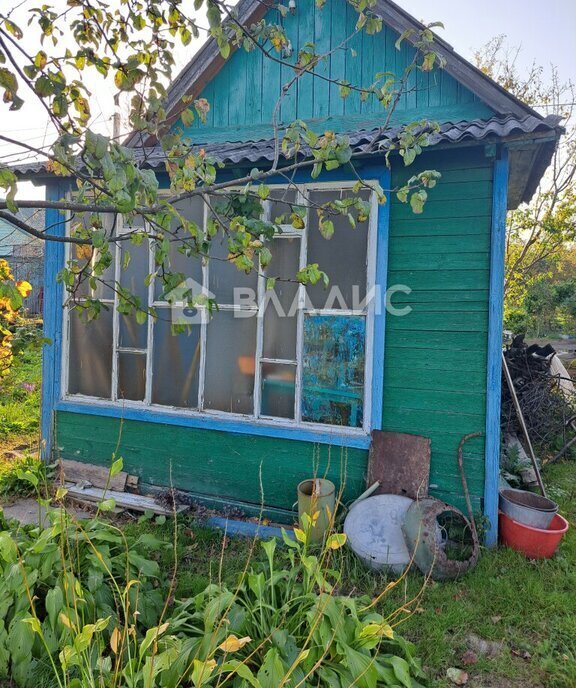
point(207, 422)
point(495, 320)
point(52, 314)
point(248, 529)
point(381, 282)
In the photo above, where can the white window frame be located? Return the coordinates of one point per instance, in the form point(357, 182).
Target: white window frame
point(257, 419)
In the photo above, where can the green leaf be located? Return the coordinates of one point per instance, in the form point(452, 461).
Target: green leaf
point(116, 467)
point(107, 504)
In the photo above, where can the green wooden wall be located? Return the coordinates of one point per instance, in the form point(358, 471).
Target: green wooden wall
point(435, 368)
point(436, 356)
point(210, 463)
point(244, 93)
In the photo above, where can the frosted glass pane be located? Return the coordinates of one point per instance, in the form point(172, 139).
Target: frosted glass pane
point(178, 262)
point(131, 334)
point(102, 290)
point(131, 376)
point(278, 390)
point(343, 257)
point(279, 329)
point(333, 370)
point(90, 364)
point(134, 275)
point(281, 204)
point(230, 363)
point(176, 364)
point(225, 276)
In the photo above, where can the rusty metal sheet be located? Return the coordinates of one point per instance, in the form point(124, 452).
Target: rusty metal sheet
point(400, 462)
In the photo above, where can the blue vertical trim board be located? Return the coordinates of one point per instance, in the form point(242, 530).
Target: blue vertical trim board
point(53, 298)
point(381, 283)
point(495, 319)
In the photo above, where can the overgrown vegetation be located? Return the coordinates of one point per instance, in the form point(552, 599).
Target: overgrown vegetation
point(85, 604)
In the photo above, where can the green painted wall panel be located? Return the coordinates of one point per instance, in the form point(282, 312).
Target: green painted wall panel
point(435, 365)
point(208, 462)
point(231, 93)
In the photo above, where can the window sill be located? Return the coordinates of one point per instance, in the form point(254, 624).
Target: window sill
point(338, 437)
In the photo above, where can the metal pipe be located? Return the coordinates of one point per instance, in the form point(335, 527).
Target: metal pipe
point(523, 424)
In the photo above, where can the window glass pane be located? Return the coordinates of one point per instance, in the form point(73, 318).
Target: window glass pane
point(131, 376)
point(102, 290)
point(230, 363)
point(178, 262)
point(278, 390)
point(279, 327)
point(333, 370)
point(131, 334)
point(281, 204)
point(133, 276)
point(343, 257)
point(228, 284)
point(175, 364)
point(90, 364)
point(105, 282)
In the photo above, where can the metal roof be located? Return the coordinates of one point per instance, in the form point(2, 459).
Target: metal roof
point(496, 128)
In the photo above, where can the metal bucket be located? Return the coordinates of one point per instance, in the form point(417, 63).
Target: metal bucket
point(317, 496)
point(528, 508)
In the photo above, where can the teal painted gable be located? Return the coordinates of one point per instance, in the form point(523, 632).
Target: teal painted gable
point(244, 94)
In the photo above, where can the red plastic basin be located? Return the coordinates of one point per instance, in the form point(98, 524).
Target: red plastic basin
point(532, 542)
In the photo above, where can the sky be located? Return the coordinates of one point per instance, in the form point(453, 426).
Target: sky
point(545, 33)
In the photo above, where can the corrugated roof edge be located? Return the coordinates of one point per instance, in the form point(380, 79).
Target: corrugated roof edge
point(496, 129)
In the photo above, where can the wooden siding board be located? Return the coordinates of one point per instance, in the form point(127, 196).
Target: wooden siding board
point(289, 108)
point(338, 35)
point(353, 66)
point(322, 35)
point(203, 461)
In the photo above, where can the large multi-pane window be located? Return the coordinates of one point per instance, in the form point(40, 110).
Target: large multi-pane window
point(292, 354)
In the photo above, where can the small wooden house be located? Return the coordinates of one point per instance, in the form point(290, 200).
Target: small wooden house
point(243, 409)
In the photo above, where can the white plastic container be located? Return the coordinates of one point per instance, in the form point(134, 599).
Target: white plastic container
point(374, 531)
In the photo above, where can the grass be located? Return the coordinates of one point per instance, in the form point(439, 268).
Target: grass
point(528, 606)
point(20, 399)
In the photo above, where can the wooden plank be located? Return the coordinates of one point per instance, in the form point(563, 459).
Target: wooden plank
point(439, 279)
point(474, 243)
point(306, 34)
point(97, 476)
point(458, 208)
point(430, 321)
point(123, 500)
point(448, 360)
point(339, 32)
point(448, 226)
point(353, 67)
point(444, 191)
point(447, 260)
point(443, 380)
point(322, 28)
point(472, 342)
